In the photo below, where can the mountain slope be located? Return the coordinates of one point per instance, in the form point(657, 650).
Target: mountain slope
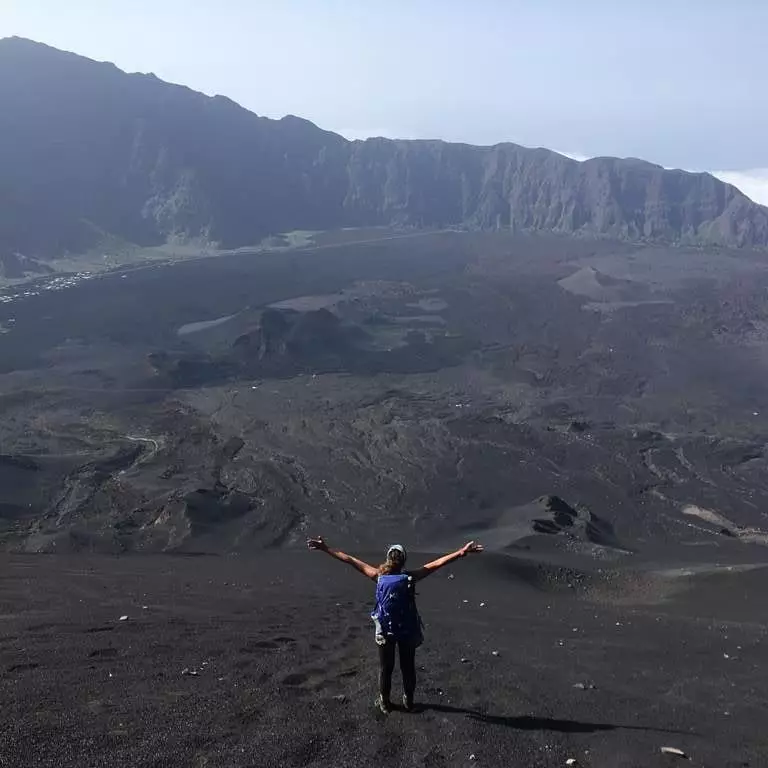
point(87, 151)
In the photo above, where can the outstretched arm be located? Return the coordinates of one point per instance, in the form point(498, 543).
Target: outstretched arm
point(468, 549)
point(320, 545)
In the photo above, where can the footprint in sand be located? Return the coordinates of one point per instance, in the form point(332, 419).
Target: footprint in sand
point(298, 679)
point(40, 627)
point(22, 667)
point(103, 653)
point(275, 644)
point(353, 633)
point(332, 679)
point(258, 645)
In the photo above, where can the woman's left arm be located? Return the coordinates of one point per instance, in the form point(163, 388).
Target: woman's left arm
point(469, 548)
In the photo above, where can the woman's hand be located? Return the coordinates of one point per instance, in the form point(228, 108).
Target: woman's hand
point(317, 543)
point(470, 548)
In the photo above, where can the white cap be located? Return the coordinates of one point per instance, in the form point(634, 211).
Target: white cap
point(397, 548)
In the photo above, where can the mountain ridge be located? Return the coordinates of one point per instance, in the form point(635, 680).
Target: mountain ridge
point(90, 151)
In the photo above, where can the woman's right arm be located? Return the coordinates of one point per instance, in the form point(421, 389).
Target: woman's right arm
point(319, 544)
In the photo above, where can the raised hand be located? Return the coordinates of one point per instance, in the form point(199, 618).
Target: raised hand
point(318, 543)
point(471, 547)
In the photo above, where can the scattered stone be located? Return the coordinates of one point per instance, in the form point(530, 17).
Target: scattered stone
point(473, 757)
point(571, 761)
point(189, 672)
point(494, 653)
point(451, 576)
point(584, 686)
point(482, 605)
point(123, 618)
point(465, 601)
point(340, 697)
point(674, 751)
point(464, 660)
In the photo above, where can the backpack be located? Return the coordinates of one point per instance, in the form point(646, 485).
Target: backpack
point(395, 616)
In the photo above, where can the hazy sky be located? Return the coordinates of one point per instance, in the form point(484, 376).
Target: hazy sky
point(678, 82)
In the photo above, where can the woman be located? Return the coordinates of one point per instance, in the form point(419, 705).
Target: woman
point(395, 617)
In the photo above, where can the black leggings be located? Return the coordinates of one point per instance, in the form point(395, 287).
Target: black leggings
point(387, 666)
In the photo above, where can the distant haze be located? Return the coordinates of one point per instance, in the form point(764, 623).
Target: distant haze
point(678, 82)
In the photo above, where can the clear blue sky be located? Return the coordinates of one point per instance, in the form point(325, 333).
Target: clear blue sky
point(678, 82)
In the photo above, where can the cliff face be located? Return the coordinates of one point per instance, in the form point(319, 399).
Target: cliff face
point(87, 151)
point(506, 185)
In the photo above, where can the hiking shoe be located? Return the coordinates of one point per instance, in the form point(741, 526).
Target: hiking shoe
point(407, 703)
point(384, 706)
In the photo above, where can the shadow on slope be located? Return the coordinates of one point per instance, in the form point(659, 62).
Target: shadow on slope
point(533, 723)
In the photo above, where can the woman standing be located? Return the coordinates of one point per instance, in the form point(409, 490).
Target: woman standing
point(395, 616)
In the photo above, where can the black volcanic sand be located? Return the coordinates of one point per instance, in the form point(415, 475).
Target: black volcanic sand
point(594, 412)
point(280, 664)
